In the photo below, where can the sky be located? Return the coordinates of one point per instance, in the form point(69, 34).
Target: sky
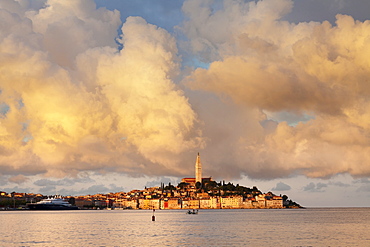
point(108, 96)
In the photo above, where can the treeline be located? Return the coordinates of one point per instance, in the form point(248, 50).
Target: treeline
point(227, 189)
point(214, 188)
point(11, 203)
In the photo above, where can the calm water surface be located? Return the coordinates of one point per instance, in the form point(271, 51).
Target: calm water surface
point(284, 227)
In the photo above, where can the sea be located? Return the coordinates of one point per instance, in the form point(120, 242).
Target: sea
point(224, 227)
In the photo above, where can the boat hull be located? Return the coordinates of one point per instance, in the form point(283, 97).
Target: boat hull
point(50, 207)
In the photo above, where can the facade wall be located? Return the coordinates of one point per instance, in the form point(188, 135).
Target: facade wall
point(155, 203)
point(172, 203)
point(232, 202)
point(215, 202)
point(148, 203)
point(83, 203)
point(247, 204)
point(128, 203)
point(269, 204)
point(205, 203)
point(190, 204)
point(277, 203)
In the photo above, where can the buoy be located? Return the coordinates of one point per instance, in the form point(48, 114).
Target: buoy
point(153, 217)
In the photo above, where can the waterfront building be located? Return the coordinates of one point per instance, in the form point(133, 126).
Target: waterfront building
point(277, 202)
point(83, 203)
point(205, 203)
point(144, 203)
point(189, 203)
point(149, 203)
point(127, 203)
point(261, 201)
point(121, 203)
point(171, 203)
point(215, 202)
point(248, 203)
point(231, 202)
point(270, 203)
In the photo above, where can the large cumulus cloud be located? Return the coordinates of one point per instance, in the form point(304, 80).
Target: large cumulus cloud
point(265, 64)
point(77, 96)
point(73, 101)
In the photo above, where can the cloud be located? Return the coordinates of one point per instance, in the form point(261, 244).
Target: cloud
point(158, 181)
point(50, 189)
point(281, 187)
point(364, 188)
point(70, 28)
point(75, 102)
point(278, 99)
point(16, 189)
point(272, 67)
point(362, 181)
point(62, 182)
point(340, 184)
point(312, 187)
point(3, 180)
point(114, 188)
point(62, 186)
point(95, 189)
point(48, 182)
point(19, 179)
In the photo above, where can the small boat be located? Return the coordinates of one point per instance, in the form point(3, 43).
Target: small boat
point(52, 203)
point(192, 212)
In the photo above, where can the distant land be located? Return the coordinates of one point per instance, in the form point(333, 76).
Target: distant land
point(188, 194)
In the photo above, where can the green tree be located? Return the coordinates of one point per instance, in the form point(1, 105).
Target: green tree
point(182, 185)
point(198, 185)
point(170, 187)
point(212, 185)
point(241, 190)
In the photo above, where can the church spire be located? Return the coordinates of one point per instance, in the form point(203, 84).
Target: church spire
point(198, 170)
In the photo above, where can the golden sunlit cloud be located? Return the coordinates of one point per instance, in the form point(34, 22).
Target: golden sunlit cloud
point(305, 68)
point(75, 102)
point(77, 97)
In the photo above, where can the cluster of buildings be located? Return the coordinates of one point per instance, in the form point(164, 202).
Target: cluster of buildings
point(155, 198)
point(191, 193)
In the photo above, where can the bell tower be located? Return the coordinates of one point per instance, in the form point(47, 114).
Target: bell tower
point(198, 170)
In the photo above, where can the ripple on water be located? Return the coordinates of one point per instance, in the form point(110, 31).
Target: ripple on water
point(310, 227)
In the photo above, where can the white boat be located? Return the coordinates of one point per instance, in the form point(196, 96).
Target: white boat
point(52, 203)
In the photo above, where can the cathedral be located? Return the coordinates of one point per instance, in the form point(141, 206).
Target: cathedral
point(198, 175)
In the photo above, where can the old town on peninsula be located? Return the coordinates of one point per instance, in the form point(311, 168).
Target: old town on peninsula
point(190, 193)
